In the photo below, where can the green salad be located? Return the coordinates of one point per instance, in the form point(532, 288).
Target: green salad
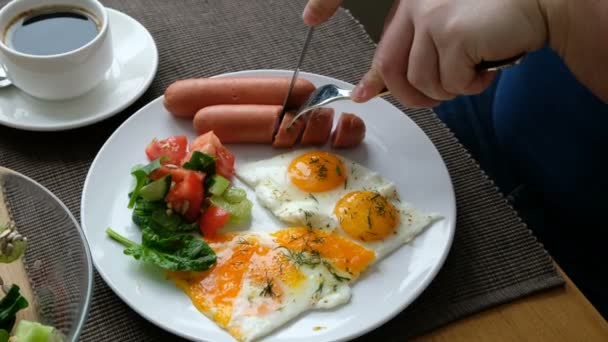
point(183, 192)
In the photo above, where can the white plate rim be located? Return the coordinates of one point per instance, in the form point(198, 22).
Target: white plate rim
point(416, 292)
point(64, 126)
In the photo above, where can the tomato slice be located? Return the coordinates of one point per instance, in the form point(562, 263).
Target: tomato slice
point(173, 149)
point(212, 220)
point(186, 196)
point(224, 164)
point(177, 173)
point(210, 144)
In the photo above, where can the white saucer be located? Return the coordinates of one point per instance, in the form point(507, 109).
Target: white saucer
point(134, 68)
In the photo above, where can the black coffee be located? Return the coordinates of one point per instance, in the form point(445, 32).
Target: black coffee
point(51, 31)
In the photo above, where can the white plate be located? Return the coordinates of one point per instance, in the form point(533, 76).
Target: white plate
point(395, 146)
point(135, 64)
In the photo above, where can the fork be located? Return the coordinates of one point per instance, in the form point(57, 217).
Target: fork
point(329, 93)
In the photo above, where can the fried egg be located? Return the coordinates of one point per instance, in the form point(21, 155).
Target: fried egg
point(319, 189)
point(261, 280)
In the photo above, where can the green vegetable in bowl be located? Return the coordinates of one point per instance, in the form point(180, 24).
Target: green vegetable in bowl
point(12, 303)
point(175, 252)
point(12, 244)
point(27, 331)
point(4, 335)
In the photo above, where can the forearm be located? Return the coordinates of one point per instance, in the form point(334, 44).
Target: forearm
point(578, 32)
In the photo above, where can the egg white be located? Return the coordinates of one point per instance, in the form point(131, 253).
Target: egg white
point(310, 294)
point(270, 180)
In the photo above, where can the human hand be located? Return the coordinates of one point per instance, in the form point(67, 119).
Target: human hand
point(429, 49)
point(319, 11)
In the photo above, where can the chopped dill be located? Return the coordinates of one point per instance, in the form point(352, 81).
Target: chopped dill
point(313, 197)
point(322, 171)
point(319, 290)
point(267, 291)
point(338, 170)
point(302, 258)
point(333, 272)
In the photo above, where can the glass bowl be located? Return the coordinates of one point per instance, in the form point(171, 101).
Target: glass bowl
point(57, 259)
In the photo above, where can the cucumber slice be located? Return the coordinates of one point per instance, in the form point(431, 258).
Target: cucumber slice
point(157, 190)
point(218, 185)
point(15, 253)
point(234, 195)
point(27, 331)
point(239, 212)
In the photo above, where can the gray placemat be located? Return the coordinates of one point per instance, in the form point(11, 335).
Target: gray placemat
point(494, 259)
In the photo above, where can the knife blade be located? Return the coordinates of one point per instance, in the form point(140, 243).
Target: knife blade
point(297, 69)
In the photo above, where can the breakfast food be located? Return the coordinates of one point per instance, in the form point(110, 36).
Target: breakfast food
point(186, 97)
point(337, 217)
point(261, 281)
point(12, 301)
point(341, 218)
point(248, 110)
point(322, 190)
point(179, 192)
point(318, 127)
point(349, 132)
point(239, 123)
point(288, 136)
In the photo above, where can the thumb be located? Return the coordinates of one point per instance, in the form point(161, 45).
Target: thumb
point(370, 85)
point(319, 11)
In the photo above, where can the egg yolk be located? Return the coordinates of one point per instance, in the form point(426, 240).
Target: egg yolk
point(317, 171)
point(345, 255)
point(366, 216)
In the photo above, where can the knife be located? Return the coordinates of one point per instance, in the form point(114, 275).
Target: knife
point(297, 69)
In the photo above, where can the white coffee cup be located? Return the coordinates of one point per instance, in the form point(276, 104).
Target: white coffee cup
point(61, 76)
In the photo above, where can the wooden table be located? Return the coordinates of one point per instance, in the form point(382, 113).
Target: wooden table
point(562, 314)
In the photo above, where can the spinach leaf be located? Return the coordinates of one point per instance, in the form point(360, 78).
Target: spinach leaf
point(9, 306)
point(201, 162)
point(143, 211)
point(173, 223)
point(175, 252)
point(141, 177)
point(154, 215)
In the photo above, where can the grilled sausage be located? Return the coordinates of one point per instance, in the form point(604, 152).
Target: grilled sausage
point(186, 97)
point(349, 132)
point(318, 127)
point(239, 123)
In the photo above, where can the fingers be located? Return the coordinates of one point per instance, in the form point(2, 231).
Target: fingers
point(392, 60)
point(391, 14)
point(423, 70)
point(319, 11)
point(370, 85)
point(480, 83)
point(458, 74)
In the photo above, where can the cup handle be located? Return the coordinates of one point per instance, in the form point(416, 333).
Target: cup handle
point(4, 81)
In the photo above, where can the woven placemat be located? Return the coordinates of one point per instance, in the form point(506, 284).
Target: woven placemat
point(494, 258)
